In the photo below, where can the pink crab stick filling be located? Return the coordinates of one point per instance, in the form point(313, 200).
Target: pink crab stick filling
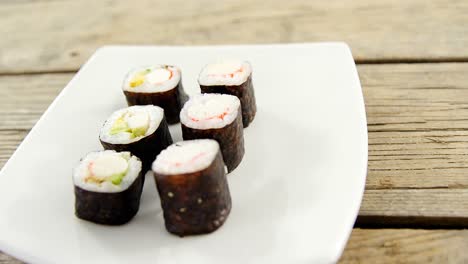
point(230, 72)
point(224, 70)
point(186, 157)
point(182, 163)
point(210, 111)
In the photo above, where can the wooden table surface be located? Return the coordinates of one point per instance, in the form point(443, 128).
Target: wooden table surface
point(412, 60)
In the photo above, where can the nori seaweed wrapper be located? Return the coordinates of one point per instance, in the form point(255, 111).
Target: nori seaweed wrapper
point(147, 148)
point(230, 139)
point(171, 101)
point(195, 203)
point(109, 208)
point(244, 92)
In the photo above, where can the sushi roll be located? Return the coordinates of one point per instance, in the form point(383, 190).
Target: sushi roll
point(191, 180)
point(108, 187)
point(142, 130)
point(234, 78)
point(218, 117)
point(159, 85)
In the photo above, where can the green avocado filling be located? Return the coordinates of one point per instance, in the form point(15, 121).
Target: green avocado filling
point(139, 131)
point(116, 179)
point(121, 126)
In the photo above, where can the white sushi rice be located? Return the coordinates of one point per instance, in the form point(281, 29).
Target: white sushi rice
point(186, 157)
point(155, 114)
point(157, 80)
point(206, 111)
point(81, 172)
point(229, 72)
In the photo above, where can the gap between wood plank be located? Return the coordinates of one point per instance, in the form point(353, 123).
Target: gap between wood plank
point(412, 60)
point(413, 222)
point(357, 61)
point(418, 188)
point(6, 74)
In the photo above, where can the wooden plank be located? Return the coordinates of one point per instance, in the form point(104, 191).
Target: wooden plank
point(392, 246)
point(23, 98)
point(414, 208)
point(418, 125)
point(406, 246)
point(418, 145)
point(6, 259)
point(388, 30)
point(431, 159)
point(9, 141)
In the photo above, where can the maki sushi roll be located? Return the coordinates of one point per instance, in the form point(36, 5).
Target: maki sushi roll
point(159, 85)
point(191, 181)
point(142, 130)
point(218, 117)
point(108, 187)
point(234, 78)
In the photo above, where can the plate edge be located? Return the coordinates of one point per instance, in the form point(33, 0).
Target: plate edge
point(342, 245)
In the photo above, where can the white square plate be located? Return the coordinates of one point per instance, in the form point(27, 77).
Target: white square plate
point(295, 195)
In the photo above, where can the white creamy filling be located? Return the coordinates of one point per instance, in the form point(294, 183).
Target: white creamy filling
point(107, 165)
point(230, 72)
point(205, 111)
point(186, 157)
point(138, 118)
point(152, 79)
point(158, 76)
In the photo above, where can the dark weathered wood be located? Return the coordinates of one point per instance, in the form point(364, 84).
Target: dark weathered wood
point(57, 36)
point(406, 246)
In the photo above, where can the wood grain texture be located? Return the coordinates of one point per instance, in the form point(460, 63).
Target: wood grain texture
point(56, 36)
point(23, 98)
point(418, 159)
point(417, 118)
point(9, 141)
point(6, 259)
point(406, 246)
point(433, 208)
